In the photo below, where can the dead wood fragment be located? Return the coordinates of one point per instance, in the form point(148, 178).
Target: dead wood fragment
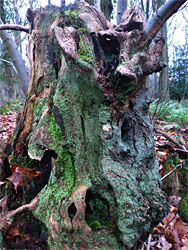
point(179, 165)
point(172, 140)
point(66, 40)
point(5, 217)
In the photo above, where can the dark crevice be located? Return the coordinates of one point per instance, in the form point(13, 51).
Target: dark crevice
point(32, 186)
point(97, 208)
point(72, 211)
point(33, 233)
point(83, 127)
point(59, 119)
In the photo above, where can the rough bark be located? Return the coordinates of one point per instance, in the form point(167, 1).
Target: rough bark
point(86, 127)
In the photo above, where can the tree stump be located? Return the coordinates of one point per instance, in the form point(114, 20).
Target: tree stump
point(86, 128)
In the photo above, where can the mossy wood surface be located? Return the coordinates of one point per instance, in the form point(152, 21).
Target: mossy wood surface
point(86, 128)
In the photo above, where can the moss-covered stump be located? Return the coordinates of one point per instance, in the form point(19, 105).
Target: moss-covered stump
point(86, 128)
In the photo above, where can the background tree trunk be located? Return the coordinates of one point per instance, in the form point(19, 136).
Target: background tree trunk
point(121, 7)
point(86, 128)
point(164, 95)
point(106, 8)
point(17, 59)
point(17, 35)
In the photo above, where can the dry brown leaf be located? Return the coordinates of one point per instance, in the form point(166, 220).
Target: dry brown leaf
point(174, 229)
point(163, 244)
point(12, 232)
point(16, 180)
point(185, 243)
point(27, 171)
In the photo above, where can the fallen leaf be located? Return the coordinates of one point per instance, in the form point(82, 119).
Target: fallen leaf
point(163, 244)
point(12, 232)
point(162, 154)
point(16, 180)
point(27, 171)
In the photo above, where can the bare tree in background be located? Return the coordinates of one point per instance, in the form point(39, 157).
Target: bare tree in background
point(121, 7)
point(17, 35)
point(164, 95)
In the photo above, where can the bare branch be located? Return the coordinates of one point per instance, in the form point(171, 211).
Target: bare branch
point(169, 173)
point(3, 60)
point(156, 21)
point(16, 27)
point(6, 216)
point(182, 147)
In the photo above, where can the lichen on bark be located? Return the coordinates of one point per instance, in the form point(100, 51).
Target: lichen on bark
point(89, 128)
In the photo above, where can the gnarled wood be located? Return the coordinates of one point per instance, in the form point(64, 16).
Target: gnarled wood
point(86, 127)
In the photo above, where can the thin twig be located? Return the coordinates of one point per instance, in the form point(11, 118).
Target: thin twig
point(149, 242)
point(181, 150)
point(3, 60)
point(171, 171)
point(168, 223)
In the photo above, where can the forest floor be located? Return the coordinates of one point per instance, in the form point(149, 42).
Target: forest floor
point(173, 232)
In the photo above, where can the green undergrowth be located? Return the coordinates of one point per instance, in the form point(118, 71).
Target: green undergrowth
point(174, 112)
point(12, 105)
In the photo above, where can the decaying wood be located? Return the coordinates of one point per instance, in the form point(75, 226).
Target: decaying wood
point(181, 147)
point(133, 18)
point(88, 110)
point(67, 41)
point(6, 216)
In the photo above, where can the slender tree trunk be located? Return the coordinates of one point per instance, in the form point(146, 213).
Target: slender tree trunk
point(62, 2)
point(185, 65)
point(17, 59)
point(2, 12)
point(164, 95)
point(147, 9)
point(106, 7)
point(97, 4)
point(121, 7)
point(2, 101)
point(17, 35)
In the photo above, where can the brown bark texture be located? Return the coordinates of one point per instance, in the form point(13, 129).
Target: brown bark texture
point(86, 128)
